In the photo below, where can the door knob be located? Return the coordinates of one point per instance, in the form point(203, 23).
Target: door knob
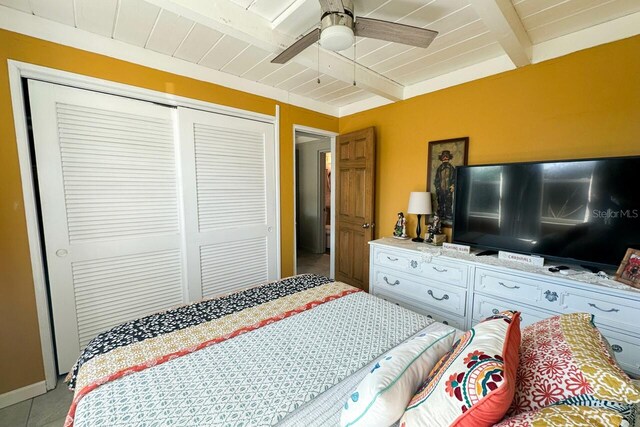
point(366, 225)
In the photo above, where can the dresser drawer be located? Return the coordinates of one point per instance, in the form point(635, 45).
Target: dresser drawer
point(446, 271)
point(613, 311)
point(428, 292)
point(625, 349)
point(455, 321)
point(485, 306)
point(504, 285)
point(424, 265)
point(398, 260)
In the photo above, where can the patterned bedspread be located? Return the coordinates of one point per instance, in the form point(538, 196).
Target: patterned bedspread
point(247, 359)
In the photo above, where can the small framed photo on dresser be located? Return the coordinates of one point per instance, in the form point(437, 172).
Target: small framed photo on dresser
point(629, 270)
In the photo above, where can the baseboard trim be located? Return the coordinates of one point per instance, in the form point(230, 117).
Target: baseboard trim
point(18, 395)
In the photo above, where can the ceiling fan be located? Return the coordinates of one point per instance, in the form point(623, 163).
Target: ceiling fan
point(339, 28)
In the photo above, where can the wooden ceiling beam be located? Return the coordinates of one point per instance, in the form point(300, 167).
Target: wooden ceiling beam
point(230, 18)
point(504, 23)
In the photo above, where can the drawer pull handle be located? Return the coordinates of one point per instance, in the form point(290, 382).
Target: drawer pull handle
point(611, 310)
point(440, 270)
point(509, 287)
point(445, 322)
point(551, 296)
point(429, 316)
point(391, 259)
point(445, 296)
point(396, 283)
point(414, 263)
point(495, 311)
point(616, 348)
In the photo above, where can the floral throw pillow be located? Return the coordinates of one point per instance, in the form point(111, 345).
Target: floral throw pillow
point(564, 359)
point(473, 384)
point(566, 415)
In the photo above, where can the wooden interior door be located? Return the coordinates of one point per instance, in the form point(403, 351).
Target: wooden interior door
point(355, 205)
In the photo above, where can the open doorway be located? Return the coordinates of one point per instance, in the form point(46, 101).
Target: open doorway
point(314, 242)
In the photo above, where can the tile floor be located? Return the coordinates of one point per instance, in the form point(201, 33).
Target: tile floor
point(47, 410)
point(313, 263)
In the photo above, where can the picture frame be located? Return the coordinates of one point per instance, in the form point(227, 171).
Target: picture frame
point(629, 269)
point(443, 157)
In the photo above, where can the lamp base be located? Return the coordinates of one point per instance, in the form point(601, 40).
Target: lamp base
point(418, 232)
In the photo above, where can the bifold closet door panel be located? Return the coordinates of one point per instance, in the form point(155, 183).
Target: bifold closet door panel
point(228, 167)
point(107, 178)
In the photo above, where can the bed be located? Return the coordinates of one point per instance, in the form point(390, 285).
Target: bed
point(286, 353)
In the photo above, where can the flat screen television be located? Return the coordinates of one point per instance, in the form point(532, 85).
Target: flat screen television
point(579, 211)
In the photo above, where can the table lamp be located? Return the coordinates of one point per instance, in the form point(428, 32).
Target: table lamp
point(420, 204)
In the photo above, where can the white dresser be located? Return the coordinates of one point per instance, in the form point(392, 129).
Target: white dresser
point(460, 290)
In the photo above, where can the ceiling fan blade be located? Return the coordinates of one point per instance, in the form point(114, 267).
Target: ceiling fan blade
point(393, 32)
point(331, 6)
point(300, 45)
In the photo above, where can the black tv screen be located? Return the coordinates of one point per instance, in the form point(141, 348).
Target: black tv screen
point(583, 211)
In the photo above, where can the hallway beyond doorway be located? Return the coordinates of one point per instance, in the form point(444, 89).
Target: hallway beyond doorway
point(313, 263)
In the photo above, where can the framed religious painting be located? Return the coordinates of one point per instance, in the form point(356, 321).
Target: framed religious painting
point(443, 158)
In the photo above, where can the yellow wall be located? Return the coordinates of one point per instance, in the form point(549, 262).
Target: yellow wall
point(586, 104)
point(20, 354)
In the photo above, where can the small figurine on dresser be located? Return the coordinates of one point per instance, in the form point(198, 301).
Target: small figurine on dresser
point(400, 230)
point(435, 236)
point(434, 228)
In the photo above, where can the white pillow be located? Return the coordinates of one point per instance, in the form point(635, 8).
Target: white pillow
point(382, 396)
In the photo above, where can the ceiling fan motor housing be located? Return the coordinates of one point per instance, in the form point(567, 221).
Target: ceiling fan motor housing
point(337, 28)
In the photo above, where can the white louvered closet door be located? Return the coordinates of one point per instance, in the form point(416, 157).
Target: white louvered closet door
point(229, 190)
point(110, 209)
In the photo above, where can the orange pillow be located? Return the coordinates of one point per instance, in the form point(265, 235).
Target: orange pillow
point(472, 385)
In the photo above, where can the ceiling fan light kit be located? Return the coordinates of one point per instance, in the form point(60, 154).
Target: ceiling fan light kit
point(337, 38)
point(337, 32)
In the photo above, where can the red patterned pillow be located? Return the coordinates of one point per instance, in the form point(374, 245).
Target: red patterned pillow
point(474, 383)
point(564, 359)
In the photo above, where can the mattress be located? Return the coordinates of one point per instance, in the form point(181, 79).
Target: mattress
point(295, 369)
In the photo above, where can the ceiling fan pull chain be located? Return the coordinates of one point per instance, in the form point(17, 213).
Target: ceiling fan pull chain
point(355, 42)
point(318, 62)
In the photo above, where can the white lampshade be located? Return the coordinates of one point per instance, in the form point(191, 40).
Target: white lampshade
point(337, 38)
point(419, 203)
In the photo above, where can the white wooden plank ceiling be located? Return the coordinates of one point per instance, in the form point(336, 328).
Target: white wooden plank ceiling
point(545, 20)
point(470, 32)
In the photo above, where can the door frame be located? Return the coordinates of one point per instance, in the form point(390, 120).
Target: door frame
point(19, 70)
point(322, 165)
point(332, 136)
